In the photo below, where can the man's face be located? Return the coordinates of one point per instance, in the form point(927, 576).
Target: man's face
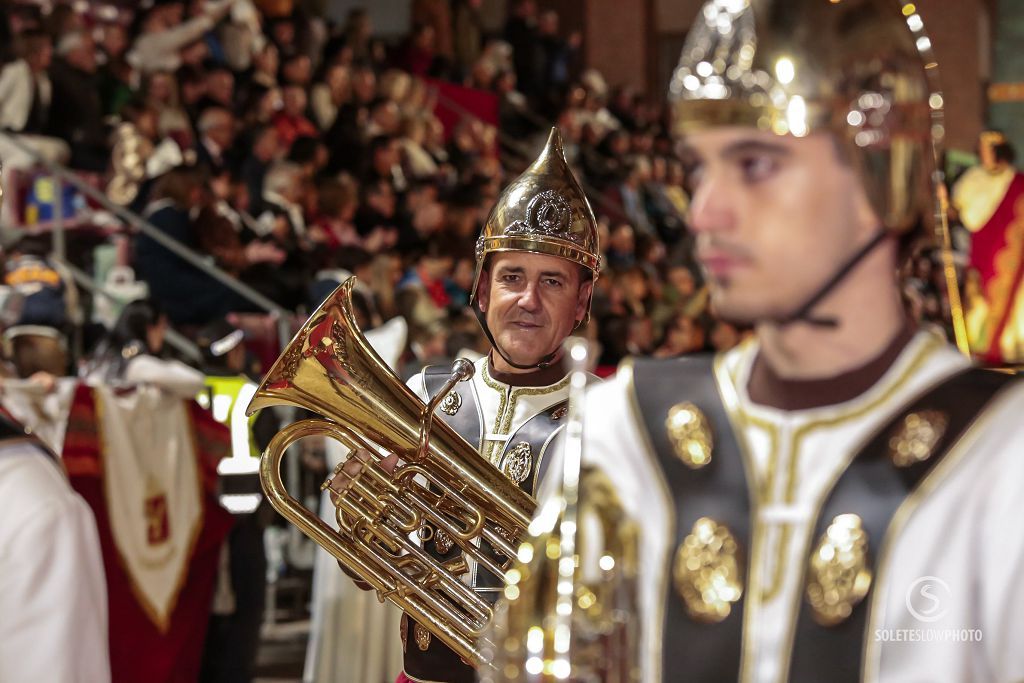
point(531, 303)
point(775, 218)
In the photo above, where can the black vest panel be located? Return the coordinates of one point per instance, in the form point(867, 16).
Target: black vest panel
point(873, 488)
point(438, 662)
point(697, 651)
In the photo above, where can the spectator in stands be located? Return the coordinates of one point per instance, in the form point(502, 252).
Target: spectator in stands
point(219, 90)
point(358, 32)
point(521, 33)
point(76, 114)
point(297, 70)
point(621, 250)
point(291, 121)
point(26, 95)
point(558, 55)
point(282, 200)
point(626, 200)
point(418, 53)
point(724, 335)
point(683, 334)
point(659, 206)
point(329, 95)
point(468, 31)
point(216, 128)
point(376, 220)
point(187, 294)
point(342, 264)
point(117, 77)
point(164, 36)
point(220, 234)
point(338, 203)
point(132, 352)
point(192, 87)
point(423, 297)
point(266, 148)
point(283, 225)
point(263, 73)
point(160, 93)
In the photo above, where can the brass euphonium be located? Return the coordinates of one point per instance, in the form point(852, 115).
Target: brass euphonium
point(440, 483)
point(571, 607)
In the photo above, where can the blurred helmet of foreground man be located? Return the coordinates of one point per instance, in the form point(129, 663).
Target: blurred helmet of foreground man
point(795, 67)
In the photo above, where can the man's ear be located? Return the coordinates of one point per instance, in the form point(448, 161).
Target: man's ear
point(483, 290)
point(583, 299)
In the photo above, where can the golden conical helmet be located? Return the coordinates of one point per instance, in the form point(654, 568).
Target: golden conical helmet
point(861, 69)
point(543, 211)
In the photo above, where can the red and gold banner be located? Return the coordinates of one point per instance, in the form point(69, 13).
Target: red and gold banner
point(997, 261)
point(153, 639)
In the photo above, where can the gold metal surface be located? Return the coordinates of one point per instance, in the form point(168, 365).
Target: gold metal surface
point(441, 483)
point(863, 70)
point(708, 571)
point(543, 211)
point(451, 403)
point(839, 575)
point(559, 620)
point(128, 159)
point(915, 438)
point(518, 462)
point(690, 434)
point(422, 637)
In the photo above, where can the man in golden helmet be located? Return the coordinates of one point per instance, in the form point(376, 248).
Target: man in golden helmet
point(537, 259)
point(831, 500)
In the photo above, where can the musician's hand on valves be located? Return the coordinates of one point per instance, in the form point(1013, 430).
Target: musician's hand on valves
point(346, 474)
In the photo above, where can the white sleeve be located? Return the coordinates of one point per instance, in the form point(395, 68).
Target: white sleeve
point(52, 592)
point(171, 375)
point(419, 386)
point(1001, 549)
point(149, 49)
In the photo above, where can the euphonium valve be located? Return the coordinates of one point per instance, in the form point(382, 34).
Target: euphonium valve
point(570, 606)
point(384, 516)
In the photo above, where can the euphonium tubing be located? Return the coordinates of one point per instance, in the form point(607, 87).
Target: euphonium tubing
point(441, 483)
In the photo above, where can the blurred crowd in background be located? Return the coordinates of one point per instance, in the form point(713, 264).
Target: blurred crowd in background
point(291, 152)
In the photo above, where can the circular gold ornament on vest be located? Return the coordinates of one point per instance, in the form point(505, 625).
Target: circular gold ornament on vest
point(451, 403)
point(915, 438)
point(518, 462)
point(707, 571)
point(839, 575)
point(690, 435)
point(421, 636)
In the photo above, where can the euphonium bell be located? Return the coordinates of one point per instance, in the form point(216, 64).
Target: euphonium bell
point(571, 602)
point(440, 483)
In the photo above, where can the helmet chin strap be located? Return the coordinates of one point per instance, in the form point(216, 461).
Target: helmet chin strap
point(803, 314)
point(542, 364)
